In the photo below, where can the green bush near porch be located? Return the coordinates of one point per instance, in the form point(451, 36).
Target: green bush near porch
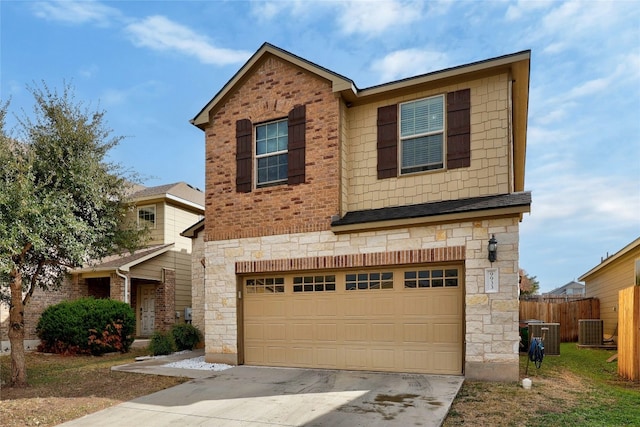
point(86, 326)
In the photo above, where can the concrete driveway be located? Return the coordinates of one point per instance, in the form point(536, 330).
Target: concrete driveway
point(258, 396)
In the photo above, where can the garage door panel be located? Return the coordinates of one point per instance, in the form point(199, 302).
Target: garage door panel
point(326, 332)
point(416, 305)
point(325, 307)
point(327, 357)
point(255, 355)
point(276, 332)
point(301, 331)
point(276, 355)
point(417, 360)
point(446, 304)
point(383, 359)
point(383, 332)
point(254, 331)
point(273, 307)
point(446, 333)
point(382, 306)
point(356, 332)
point(356, 357)
point(302, 307)
point(413, 329)
point(416, 333)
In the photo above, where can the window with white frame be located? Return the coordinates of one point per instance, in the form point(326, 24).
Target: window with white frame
point(422, 134)
point(147, 216)
point(271, 153)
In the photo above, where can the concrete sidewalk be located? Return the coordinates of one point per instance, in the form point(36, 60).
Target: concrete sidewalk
point(259, 396)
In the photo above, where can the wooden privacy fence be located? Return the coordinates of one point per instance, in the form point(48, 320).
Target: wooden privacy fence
point(629, 333)
point(566, 313)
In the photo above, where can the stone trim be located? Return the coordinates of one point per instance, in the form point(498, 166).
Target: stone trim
point(417, 256)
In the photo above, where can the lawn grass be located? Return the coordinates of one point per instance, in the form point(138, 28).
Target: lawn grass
point(606, 399)
point(62, 388)
point(577, 388)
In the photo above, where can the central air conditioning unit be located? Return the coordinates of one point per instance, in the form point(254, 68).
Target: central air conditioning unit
point(551, 332)
point(590, 331)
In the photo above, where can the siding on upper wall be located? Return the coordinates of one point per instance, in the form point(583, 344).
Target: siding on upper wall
point(607, 282)
point(176, 220)
point(489, 172)
point(156, 235)
point(180, 262)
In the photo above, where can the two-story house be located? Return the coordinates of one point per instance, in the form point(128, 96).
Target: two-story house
point(155, 280)
point(349, 228)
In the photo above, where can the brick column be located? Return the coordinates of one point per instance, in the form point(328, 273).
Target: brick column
point(116, 288)
point(165, 301)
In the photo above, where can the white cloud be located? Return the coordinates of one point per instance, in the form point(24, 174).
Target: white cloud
point(594, 201)
point(270, 9)
point(160, 33)
point(375, 17)
point(409, 62)
point(75, 12)
point(524, 7)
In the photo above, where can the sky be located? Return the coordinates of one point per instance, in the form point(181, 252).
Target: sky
point(153, 65)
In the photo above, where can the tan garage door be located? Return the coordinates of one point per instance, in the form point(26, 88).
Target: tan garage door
point(399, 320)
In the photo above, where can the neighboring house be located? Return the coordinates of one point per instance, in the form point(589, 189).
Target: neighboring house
point(347, 228)
point(614, 273)
point(570, 289)
point(155, 280)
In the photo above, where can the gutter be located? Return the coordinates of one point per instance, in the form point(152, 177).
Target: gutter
point(126, 285)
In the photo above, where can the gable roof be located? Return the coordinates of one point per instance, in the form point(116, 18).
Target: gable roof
point(126, 260)
point(608, 261)
point(502, 204)
point(517, 64)
point(180, 192)
point(563, 289)
point(192, 232)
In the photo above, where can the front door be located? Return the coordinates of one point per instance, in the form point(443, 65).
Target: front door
point(147, 309)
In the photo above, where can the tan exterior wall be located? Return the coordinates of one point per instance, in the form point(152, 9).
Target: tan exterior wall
point(175, 221)
point(491, 318)
point(268, 94)
point(489, 173)
point(178, 261)
point(607, 282)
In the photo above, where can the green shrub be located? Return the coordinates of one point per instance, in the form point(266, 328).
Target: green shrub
point(186, 336)
point(86, 326)
point(161, 343)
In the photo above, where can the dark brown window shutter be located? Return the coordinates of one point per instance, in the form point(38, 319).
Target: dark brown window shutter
point(387, 141)
point(296, 145)
point(459, 129)
point(244, 142)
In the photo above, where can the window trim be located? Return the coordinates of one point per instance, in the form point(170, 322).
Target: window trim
point(442, 131)
point(155, 216)
point(257, 157)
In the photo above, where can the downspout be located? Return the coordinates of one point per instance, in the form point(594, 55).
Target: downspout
point(126, 285)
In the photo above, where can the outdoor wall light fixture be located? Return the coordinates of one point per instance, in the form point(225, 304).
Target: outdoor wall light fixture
point(493, 248)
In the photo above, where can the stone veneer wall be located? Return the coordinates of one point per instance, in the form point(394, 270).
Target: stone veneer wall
point(197, 283)
point(488, 174)
point(491, 333)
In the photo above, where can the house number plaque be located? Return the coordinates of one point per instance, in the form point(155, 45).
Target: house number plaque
point(491, 280)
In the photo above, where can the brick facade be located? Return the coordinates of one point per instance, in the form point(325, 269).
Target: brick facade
point(275, 88)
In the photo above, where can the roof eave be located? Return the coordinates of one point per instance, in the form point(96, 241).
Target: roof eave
point(631, 246)
point(339, 83)
point(432, 219)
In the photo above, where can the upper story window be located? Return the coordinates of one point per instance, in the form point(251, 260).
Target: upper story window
point(422, 135)
point(147, 216)
point(271, 153)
